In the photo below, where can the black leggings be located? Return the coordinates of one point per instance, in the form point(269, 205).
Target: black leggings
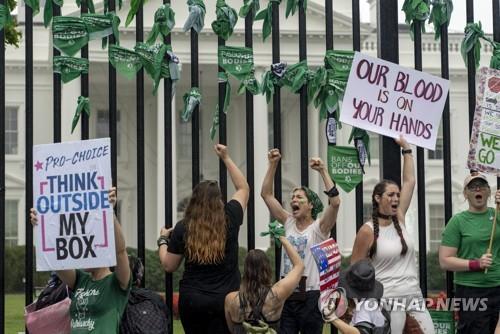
point(482, 320)
point(202, 313)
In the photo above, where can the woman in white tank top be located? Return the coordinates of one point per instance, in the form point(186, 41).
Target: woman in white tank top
point(385, 241)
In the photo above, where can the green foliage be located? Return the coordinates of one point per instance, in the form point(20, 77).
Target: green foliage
point(12, 35)
point(15, 275)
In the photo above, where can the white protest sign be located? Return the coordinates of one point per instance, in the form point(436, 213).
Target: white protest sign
point(389, 99)
point(484, 153)
point(75, 220)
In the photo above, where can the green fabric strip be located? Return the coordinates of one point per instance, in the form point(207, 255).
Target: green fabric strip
point(191, 100)
point(226, 20)
point(163, 25)
point(196, 18)
point(34, 5)
point(83, 106)
point(267, 16)
point(471, 42)
point(275, 230)
point(47, 10)
point(293, 5)
point(102, 25)
point(126, 62)
point(495, 56)
point(70, 67)
point(134, 8)
point(249, 6)
point(440, 14)
point(416, 10)
point(69, 34)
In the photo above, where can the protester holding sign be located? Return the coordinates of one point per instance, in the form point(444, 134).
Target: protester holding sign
point(386, 242)
point(99, 296)
point(258, 299)
point(464, 249)
point(303, 229)
point(207, 238)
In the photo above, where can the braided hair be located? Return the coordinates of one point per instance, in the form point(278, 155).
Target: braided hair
point(379, 190)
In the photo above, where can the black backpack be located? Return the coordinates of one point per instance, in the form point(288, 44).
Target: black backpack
point(146, 313)
point(54, 292)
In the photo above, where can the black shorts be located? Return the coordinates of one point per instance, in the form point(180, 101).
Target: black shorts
point(303, 316)
point(482, 319)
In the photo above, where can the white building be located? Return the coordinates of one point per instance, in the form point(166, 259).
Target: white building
point(15, 118)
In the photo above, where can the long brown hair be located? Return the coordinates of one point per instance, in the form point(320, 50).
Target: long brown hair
point(379, 190)
point(257, 277)
point(206, 224)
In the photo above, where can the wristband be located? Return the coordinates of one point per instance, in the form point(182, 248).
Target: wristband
point(408, 151)
point(333, 192)
point(474, 265)
point(162, 240)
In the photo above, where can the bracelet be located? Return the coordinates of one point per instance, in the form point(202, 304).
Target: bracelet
point(162, 240)
point(333, 192)
point(407, 151)
point(474, 265)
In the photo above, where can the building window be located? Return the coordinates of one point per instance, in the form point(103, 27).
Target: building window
point(11, 220)
point(436, 225)
point(437, 154)
point(11, 130)
point(102, 127)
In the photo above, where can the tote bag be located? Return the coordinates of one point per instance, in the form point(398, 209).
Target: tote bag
point(53, 319)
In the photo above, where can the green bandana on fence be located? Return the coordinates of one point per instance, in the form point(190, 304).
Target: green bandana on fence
point(261, 328)
point(315, 201)
point(344, 167)
point(89, 3)
point(296, 76)
point(83, 105)
point(238, 61)
point(252, 6)
point(272, 78)
point(134, 8)
point(440, 14)
point(69, 34)
point(249, 83)
point(416, 10)
point(164, 23)
point(34, 5)
point(4, 16)
point(101, 26)
point(473, 32)
point(126, 62)
point(196, 18)
point(495, 57)
point(47, 10)
point(340, 61)
point(226, 20)
point(70, 67)
point(362, 144)
point(267, 16)
point(191, 100)
point(154, 62)
point(292, 5)
point(276, 230)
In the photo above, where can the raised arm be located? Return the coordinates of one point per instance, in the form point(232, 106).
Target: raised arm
point(122, 269)
point(266, 192)
point(239, 180)
point(284, 287)
point(67, 276)
point(408, 183)
point(329, 218)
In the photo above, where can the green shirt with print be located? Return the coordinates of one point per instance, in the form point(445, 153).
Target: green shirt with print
point(97, 306)
point(470, 233)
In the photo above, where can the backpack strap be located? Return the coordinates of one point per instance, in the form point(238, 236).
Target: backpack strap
point(365, 327)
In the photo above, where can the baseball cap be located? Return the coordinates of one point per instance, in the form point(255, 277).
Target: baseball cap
point(474, 176)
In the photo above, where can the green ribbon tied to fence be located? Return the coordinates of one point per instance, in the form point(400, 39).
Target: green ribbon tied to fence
point(88, 3)
point(34, 5)
point(416, 10)
point(249, 6)
point(191, 100)
point(5, 17)
point(102, 26)
point(226, 20)
point(163, 24)
point(126, 62)
point(495, 56)
point(267, 16)
point(238, 61)
point(83, 106)
point(272, 78)
point(196, 17)
point(158, 61)
point(275, 230)
point(362, 144)
point(69, 34)
point(70, 67)
point(47, 10)
point(134, 8)
point(292, 5)
point(440, 14)
point(471, 42)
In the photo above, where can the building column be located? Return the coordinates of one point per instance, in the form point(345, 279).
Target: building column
point(261, 142)
point(161, 191)
point(69, 100)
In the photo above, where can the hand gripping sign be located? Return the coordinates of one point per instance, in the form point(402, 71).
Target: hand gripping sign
point(75, 219)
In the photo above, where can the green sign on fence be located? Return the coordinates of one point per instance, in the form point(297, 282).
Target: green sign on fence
point(444, 322)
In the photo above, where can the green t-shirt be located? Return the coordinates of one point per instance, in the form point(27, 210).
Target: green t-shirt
point(97, 306)
point(470, 232)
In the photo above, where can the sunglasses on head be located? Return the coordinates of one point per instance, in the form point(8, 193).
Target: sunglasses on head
point(477, 184)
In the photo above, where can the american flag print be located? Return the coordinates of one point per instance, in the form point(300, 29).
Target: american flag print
point(327, 257)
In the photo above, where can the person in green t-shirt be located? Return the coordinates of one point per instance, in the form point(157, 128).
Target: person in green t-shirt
point(99, 296)
point(464, 250)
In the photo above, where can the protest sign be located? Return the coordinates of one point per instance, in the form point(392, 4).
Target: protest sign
point(75, 219)
point(389, 99)
point(344, 167)
point(327, 257)
point(484, 153)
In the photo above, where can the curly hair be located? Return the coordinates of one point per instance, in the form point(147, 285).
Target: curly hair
point(257, 277)
point(379, 190)
point(206, 224)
